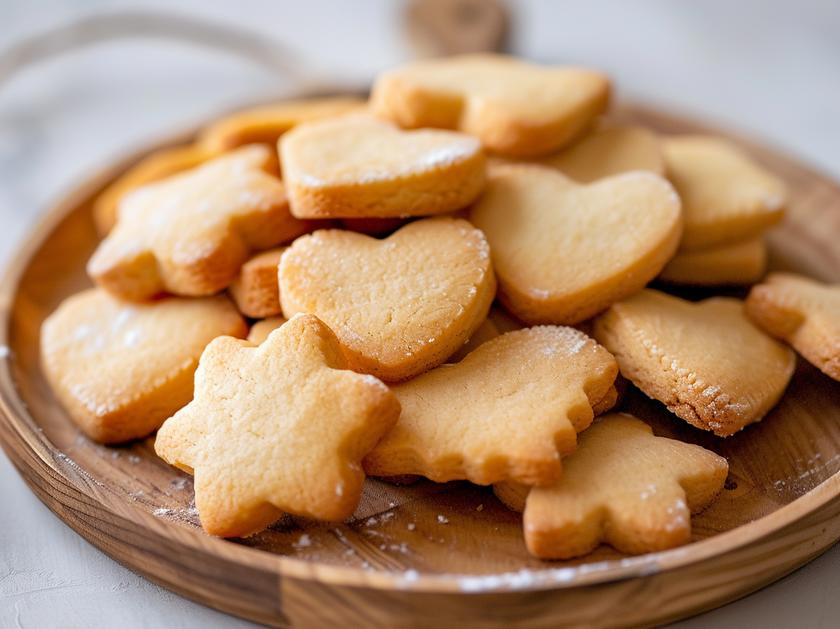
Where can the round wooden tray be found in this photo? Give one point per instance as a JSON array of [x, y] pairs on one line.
[[448, 555]]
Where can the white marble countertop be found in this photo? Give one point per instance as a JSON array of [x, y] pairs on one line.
[[770, 68]]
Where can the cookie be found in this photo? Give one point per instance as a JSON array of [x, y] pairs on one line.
[[738, 263], [802, 312], [264, 125], [608, 151], [261, 329], [158, 165], [255, 289], [508, 411], [705, 361], [727, 198], [120, 369], [623, 486], [190, 234], [563, 251], [486, 331], [276, 428], [357, 166], [515, 108], [401, 305]]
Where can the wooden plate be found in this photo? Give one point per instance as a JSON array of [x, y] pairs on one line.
[[448, 555]]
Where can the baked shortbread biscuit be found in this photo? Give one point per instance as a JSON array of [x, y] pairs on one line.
[[508, 411], [563, 251], [261, 329], [358, 166], [738, 263], [190, 234], [158, 165], [255, 289], [265, 124], [120, 369], [802, 312], [623, 486], [608, 151], [278, 427], [705, 361], [399, 306], [726, 197], [515, 108]]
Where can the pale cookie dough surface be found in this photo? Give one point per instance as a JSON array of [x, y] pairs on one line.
[[279, 427], [399, 306], [607, 151], [261, 329], [515, 108], [190, 234], [358, 166], [726, 196], [120, 369], [623, 486], [508, 411], [738, 263], [802, 312], [564, 251], [705, 361], [255, 289]]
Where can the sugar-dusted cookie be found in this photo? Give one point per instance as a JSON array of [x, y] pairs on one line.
[[607, 151], [401, 305], [622, 486], [738, 263], [278, 427], [515, 108], [255, 289], [265, 124], [261, 329], [726, 197], [705, 361], [486, 331], [563, 251], [154, 167], [802, 312], [509, 411], [120, 369], [190, 234], [357, 166]]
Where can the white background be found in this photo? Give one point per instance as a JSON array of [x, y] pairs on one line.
[[769, 68]]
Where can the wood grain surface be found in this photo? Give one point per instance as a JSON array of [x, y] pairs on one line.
[[427, 554]]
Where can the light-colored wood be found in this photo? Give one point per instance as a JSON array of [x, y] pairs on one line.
[[425, 554]]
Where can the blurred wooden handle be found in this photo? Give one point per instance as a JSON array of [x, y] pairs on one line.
[[448, 27]]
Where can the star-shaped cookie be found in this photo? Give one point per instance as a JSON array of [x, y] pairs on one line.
[[279, 427], [189, 234], [625, 487]]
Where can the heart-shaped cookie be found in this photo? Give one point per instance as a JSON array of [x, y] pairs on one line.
[[705, 361], [399, 306], [357, 166], [516, 109], [564, 251]]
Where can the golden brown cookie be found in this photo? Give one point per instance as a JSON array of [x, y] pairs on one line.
[[563, 251], [726, 197], [608, 151], [278, 427], [622, 486], [261, 329], [508, 411], [190, 234], [255, 289], [515, 108], [738, 263], [802, 312], [120, 369], [357, 166], [265, 124], [401, 305], [705, 361]]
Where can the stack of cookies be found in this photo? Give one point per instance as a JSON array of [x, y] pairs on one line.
[[445, 282]]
